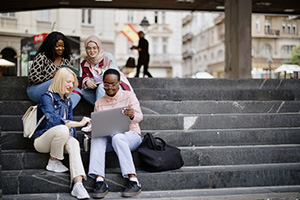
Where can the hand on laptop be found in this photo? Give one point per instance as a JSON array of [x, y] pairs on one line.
[[87, 128], [129, 112]]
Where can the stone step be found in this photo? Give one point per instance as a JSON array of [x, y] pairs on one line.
[[246, 193], [30, 159], [218, 107], [214, 137], [215, 84], [206, 94], [192, 122], [220, 84], [42, 181], [175, 107], [14, 88], [192, 156], [187, 94]]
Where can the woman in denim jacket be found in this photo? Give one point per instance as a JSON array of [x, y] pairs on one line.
[[55, 134]]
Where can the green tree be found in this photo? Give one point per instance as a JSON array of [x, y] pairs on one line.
[[295, 56]]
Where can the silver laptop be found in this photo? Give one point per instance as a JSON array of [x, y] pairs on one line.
[[108, 122]]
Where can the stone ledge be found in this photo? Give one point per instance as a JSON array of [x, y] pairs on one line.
[[41, 181], [247, 193]]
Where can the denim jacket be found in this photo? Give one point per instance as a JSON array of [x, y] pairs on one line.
[[54, 110]]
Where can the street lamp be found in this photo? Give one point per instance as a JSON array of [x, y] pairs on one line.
[[144, 23]]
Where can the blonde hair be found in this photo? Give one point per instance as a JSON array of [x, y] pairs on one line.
[[59, 80]]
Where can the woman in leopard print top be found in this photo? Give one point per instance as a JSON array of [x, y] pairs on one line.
[[52, 55]]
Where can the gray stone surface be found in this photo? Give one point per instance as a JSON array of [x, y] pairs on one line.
[[218, 107], [41, 181], [231, 132], [14, 88], [213, 137], [192, 156], [157, 107], [282, 193], [231, 137]]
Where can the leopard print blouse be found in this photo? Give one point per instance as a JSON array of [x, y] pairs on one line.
[[42, 69]]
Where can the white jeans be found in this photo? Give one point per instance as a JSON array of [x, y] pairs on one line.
[[122, 144], [57, 140]]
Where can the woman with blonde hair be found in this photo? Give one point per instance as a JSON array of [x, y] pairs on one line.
[[56, 133]]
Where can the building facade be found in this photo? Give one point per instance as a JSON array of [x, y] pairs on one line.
[[273, 38], [163, 34], [72, 22]]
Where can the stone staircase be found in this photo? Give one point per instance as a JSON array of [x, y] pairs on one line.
[[239, 138]]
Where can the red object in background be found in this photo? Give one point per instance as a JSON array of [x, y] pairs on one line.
[[40, 37]]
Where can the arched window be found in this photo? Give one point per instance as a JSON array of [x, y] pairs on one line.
[[267, 50]]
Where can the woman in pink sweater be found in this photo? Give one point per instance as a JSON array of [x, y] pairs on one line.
[[121, 143]]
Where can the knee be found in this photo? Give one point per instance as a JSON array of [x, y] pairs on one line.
[[63, 132], [117, 139], [73, 145]]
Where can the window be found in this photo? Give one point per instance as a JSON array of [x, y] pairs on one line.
[[287, 49], [295, 28], [9, 14], [163, 17], [155, 45], [267, 50], [43, 15], [165, 45], [130, 16], [267, 26], [289, 29], [220, 54], [283, 27], [257, 24], [155, 17], [87, 16]]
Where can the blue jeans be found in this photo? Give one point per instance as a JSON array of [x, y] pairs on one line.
[[35, 92], [92, 95], [122, 144]]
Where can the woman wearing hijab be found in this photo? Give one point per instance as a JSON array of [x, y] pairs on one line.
[[93, 67]]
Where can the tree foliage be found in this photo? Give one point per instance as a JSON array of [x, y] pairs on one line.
[[295, 56]]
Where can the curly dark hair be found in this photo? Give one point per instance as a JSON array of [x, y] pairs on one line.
[[49, 43], [112, 71]]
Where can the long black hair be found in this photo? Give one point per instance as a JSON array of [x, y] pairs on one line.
[[49, 43]]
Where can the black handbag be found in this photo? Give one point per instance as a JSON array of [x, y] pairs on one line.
[[130, 62], [157, 156]]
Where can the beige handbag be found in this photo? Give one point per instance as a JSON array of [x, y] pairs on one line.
[[29, 121]]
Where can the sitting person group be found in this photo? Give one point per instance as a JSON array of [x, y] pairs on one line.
[[52, 85]]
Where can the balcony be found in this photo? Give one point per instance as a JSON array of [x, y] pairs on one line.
[[187, 37], [187, 19], [272, 32], [188, 53]]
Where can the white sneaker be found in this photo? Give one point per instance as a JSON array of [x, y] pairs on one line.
[[56, 166], [87, 128], [79, 191]]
